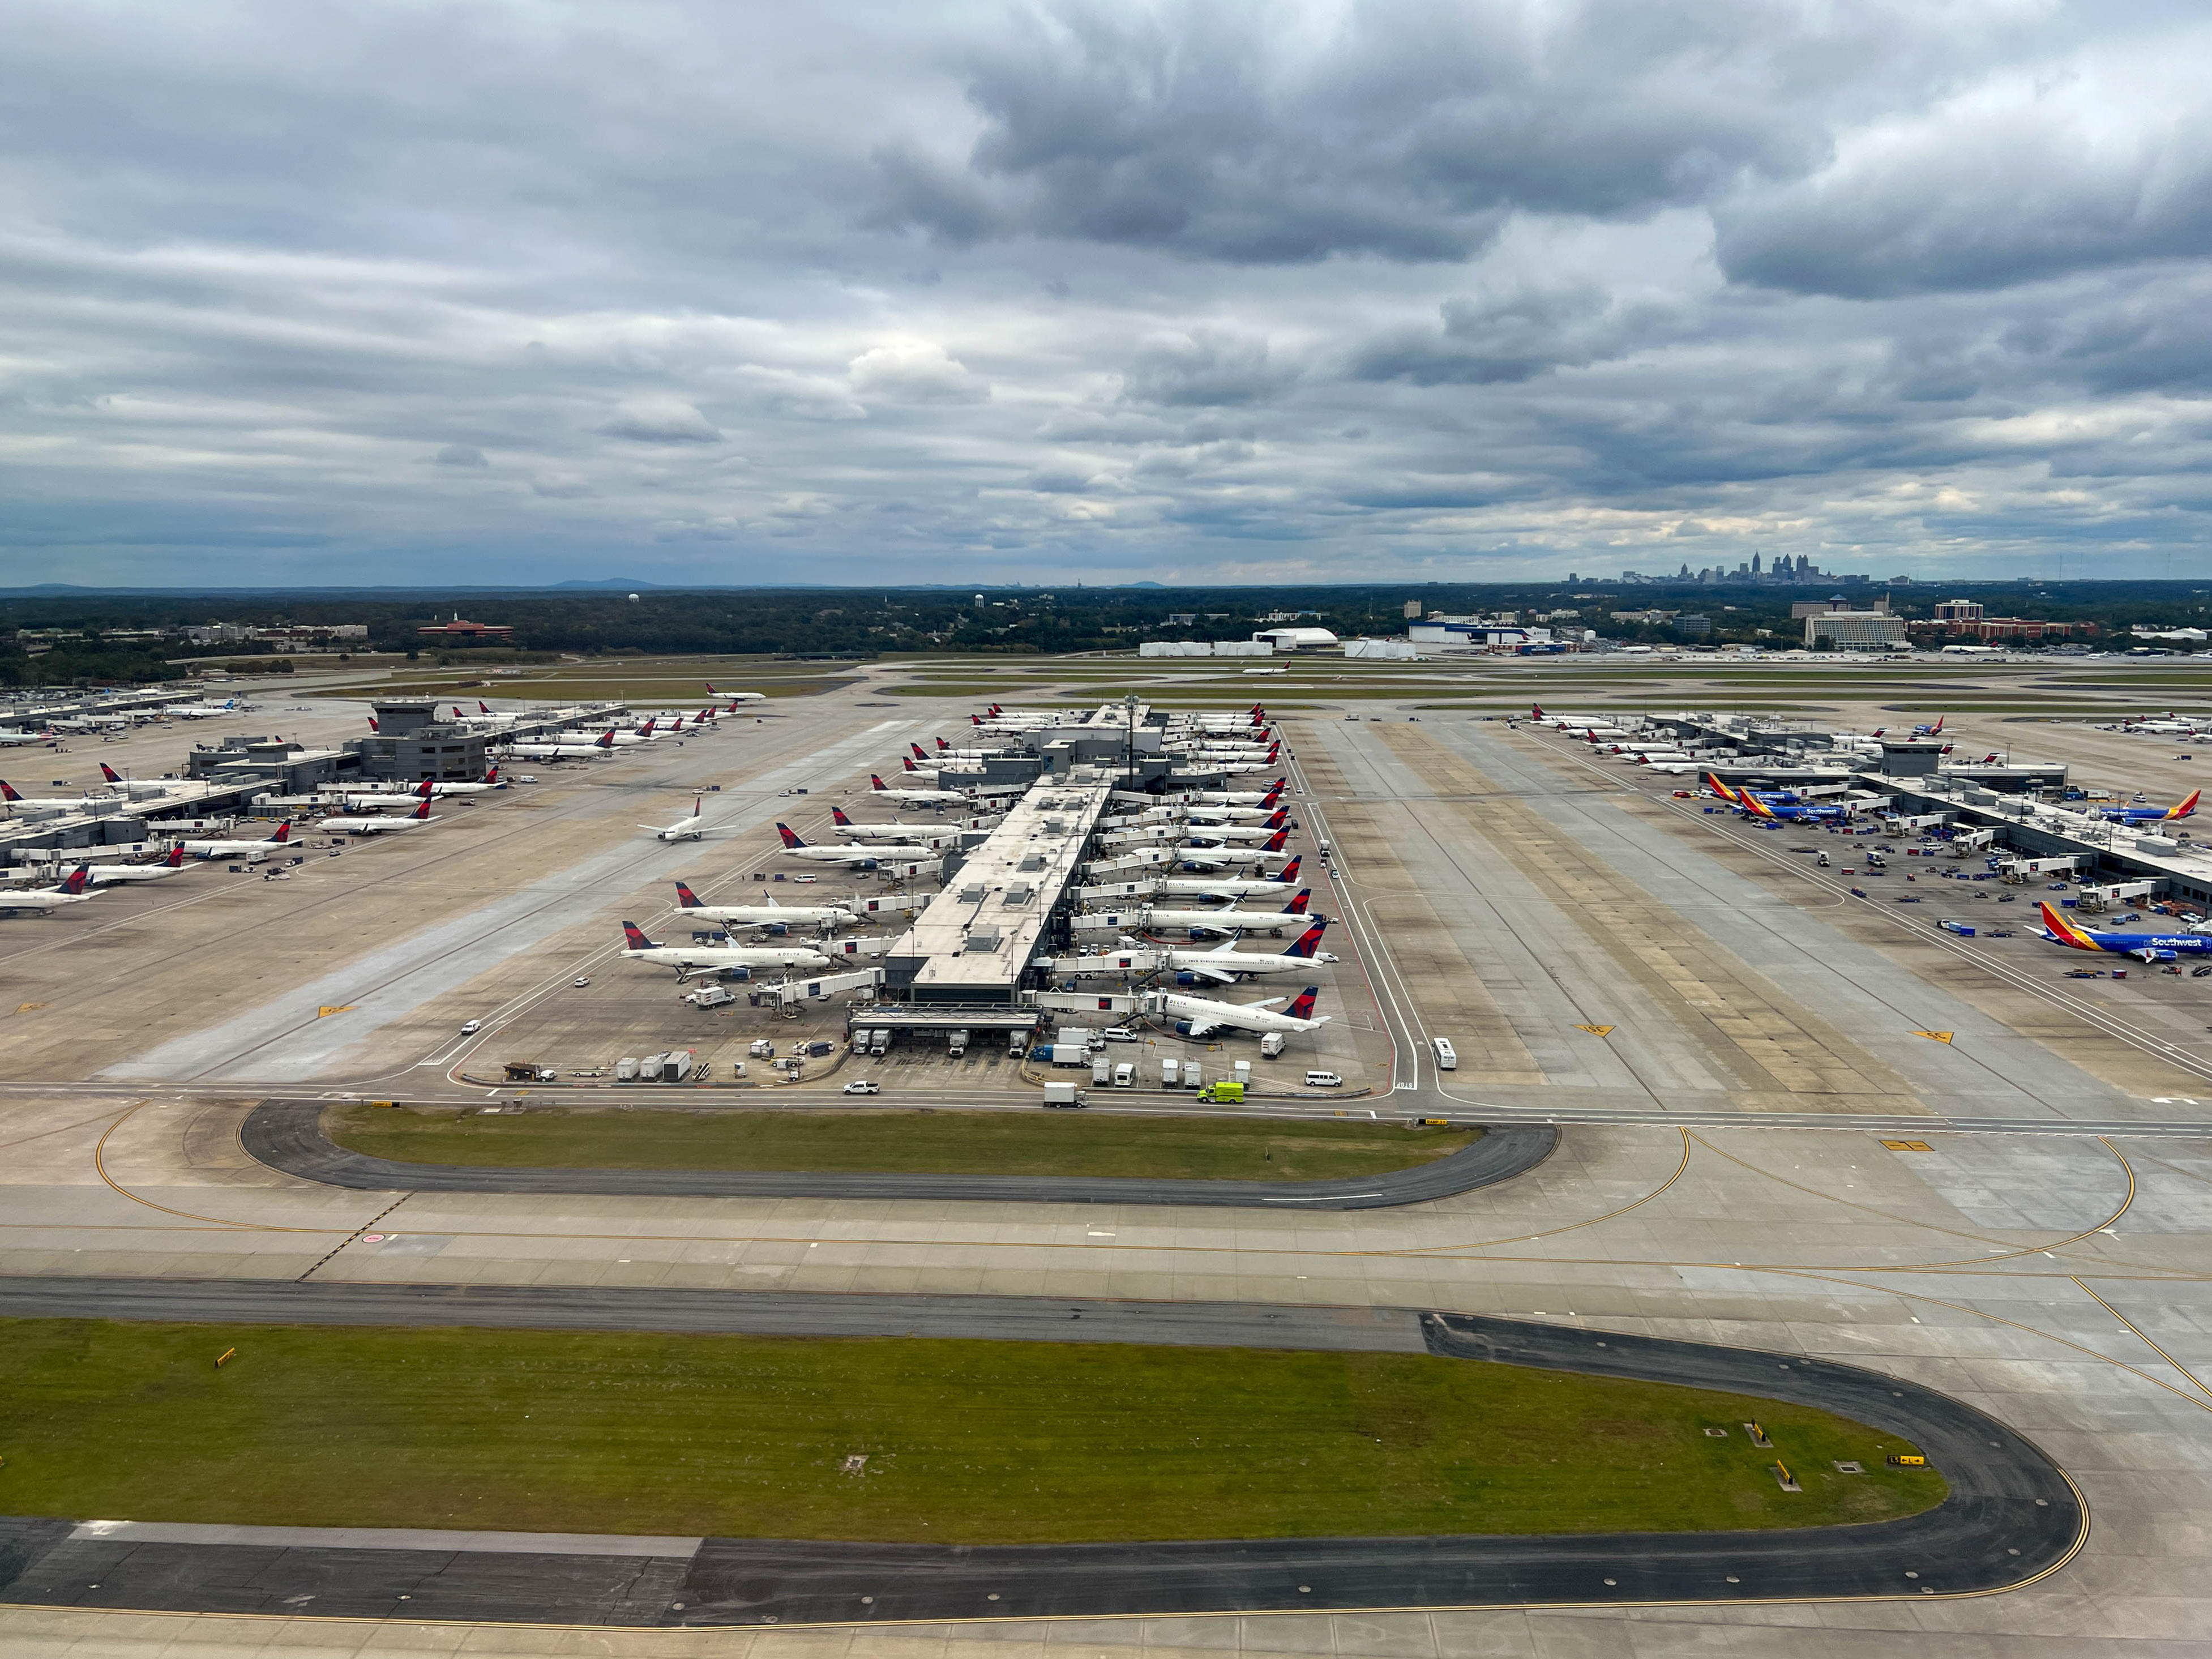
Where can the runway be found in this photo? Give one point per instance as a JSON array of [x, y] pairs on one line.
[[287, 1135], [2012, 1515]]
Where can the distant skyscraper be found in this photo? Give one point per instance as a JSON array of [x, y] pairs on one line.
[[1754, 564]]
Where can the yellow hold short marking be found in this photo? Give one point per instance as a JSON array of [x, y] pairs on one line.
[[324, 1013], [1595, 1030], [29, 1007], [1935, 1037]]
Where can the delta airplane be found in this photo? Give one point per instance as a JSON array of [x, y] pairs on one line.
[[46, 804], [1225, 965], [1194, 857], [767, 914], [378, 826], [690, 828], [2150, 947], [107, 874], [737, 697], [936, 840], [1231, 888], [1197, 1016], [230, 850], [135, 791], [917, 797], [689, 959], [2147, 814], [794, 847], [598, 749], [1236, 797], [51, 898], [1225, 924], [1215, 835]]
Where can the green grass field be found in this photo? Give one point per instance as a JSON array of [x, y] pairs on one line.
[[1038, 1143], [966, 1443]]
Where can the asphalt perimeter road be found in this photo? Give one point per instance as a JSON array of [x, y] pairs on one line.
[[2012, 1515], [287, 1135]]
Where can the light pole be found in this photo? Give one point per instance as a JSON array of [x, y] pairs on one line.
[[1129, 747]]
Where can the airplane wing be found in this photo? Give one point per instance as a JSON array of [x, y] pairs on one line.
[[1199, 1028], [1216, 974]]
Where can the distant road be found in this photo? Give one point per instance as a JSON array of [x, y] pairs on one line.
[[287, 1135]]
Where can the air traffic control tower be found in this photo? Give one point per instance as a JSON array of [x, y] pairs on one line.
[[970, 948]]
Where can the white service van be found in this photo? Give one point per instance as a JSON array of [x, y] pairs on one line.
[[1125, 1076], [1447, 1059], [1323, 1080]]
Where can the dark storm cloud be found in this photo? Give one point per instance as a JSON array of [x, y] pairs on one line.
[[1572, 284]]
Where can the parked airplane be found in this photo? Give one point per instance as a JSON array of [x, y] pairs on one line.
[[894, 833], [1211, 924], [1231, 888], [768, 913], [1197, 1016], [737, 697], [2147, 814], [46, 899], [377, 826], [1236, 797], [230, 850], [203, 711], [794, 847], [917, 797], [1225, 965], [48, 803], [1194, 857], [1208, 835], [598, 749], [134, 790], [109, 874], [689, 959], [2151, 947]]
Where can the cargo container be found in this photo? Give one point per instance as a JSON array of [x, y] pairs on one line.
[[761, 1049], [1169, 1069], [626, 1070], [1101, 1068], [675, 1065], [1271, 1044], [1242, 1072]]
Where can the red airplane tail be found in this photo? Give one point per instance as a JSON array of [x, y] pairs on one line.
[[428, 789], [1308, 942], [1276, 842], [920, 753], [373, 725], [875, 782], [491, 773], [176, 858], [789, 839], [635, 935], [837, 817], [606, 739], [686, 898], [283, 833], [904, 762], [1296, 907], [1289, 872], [421, 813], [1302, 1005], [78, 878], [1281, 817], [109, 773], [7, 791], [1535, 711], [482, 708], [941, 743]]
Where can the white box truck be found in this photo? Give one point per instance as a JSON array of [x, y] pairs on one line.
[[626, 1069], [1018, 1044], [1062, 1094], [956, 1044], [879, 1041], [1242, 1072], [1101, 1068], [1271, 1044], [1169, 1070]]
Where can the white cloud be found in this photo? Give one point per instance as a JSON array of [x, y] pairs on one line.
[[915, 373]]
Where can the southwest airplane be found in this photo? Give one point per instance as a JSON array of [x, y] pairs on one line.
[[2151, 947], [2147, 814], [1775, 810], [1196, 1016], [689, 959], [690, 828], [765, 915]]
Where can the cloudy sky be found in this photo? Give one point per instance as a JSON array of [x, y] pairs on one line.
[[1223, 291]]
